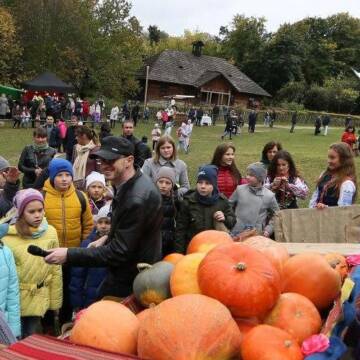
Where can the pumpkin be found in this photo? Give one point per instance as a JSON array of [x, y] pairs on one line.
[[207, 240], [276, 252], [309, 274], [152, 284], [246, 324], [184, 279], [295, 314], [107, 325], [173, 258], [265, 342], [240, 277], [338, 262], [191, 327]]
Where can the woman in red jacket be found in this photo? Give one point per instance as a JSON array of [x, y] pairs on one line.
[[349, 137], [229, 176]]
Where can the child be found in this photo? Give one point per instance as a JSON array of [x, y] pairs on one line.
[[155, 135], [165, 180], [68, 210], [9, 287], [182, 135], [85, 282], [96, 188], [40, 283], [202, 209], [254, 204]]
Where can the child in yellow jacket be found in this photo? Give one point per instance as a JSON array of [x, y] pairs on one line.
[[40, 284]]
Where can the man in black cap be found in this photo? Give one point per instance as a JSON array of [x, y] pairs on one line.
[[135, 222]]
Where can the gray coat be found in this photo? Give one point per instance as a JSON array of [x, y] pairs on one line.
[[3, 105], [254, 208], [151, 168]]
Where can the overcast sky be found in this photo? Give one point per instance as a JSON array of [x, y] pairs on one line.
[[173, 16]]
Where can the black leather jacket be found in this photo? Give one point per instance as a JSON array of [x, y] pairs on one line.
[[30, 159], [134, 236]]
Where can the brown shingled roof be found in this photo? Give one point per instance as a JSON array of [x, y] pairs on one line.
[[184, 68]]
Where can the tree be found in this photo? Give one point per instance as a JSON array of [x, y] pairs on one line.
[[154, 34], [10, 50]]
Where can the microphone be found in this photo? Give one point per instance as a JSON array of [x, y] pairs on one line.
[[37, 251]]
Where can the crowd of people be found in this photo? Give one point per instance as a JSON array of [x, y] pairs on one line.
[[113, 203]]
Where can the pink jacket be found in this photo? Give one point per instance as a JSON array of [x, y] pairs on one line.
[[63, 128]]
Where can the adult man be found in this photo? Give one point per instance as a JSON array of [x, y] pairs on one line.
[[135, 222], [215, 114], [252, 121], [135, 113], [53, 133], [70, 139], [142, 151], [293, 121]]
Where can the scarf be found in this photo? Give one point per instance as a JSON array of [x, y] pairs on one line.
[[208, 200], [39, 231], [81, 157], [41, 147]]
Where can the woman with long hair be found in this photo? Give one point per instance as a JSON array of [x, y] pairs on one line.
[[83, 165], [337, 184], [165, 155], [229, 176], [349, 137], [285, 182], [269, 151]]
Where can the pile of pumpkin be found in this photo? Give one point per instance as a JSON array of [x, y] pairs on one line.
[[223, 300]]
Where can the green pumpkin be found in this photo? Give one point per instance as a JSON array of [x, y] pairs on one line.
[[152, 284]]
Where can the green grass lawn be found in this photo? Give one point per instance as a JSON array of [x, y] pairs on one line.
[[308, 151]]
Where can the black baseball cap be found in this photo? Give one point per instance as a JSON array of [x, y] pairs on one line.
[[113, 147]]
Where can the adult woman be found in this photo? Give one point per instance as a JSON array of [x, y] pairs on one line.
[[269, 151], [283, 179], [337, 184], [82, 164], [229, 176], [349, 137], [165, 155], [35, 158]]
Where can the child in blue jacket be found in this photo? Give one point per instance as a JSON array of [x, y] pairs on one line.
[[85, 282], [9, 286]]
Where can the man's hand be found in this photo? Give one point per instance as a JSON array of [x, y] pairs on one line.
[[38, 171], [99, 242], [12, 175], [219, 216], [58, 256]]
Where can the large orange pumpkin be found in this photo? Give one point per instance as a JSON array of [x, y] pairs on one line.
[[309, 274], [207, 240], [266, 342], [173, 258], [276, 252], [107, 325], [338, 262], [191, 327], [295, 314], [184, 278], [240, 277]]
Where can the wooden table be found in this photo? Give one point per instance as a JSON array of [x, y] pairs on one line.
[[323, 248]]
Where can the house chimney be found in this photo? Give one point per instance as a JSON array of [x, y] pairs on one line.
[[197, 48]]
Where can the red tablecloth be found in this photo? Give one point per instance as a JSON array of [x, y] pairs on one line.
[[47, 348]]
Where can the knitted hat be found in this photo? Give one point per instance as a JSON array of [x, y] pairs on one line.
[[95, 177], [167, 173], [258, 170], [4, 164], [23, 197], [59, 165], [104, 212], [209, 173]]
